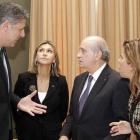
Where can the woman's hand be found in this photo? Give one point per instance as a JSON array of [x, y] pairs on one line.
[[122, 127]]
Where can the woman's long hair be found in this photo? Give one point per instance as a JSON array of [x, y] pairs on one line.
[[132, 53], [55, 70]]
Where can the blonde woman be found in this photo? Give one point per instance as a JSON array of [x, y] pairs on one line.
[[129, 66], [44, 76]]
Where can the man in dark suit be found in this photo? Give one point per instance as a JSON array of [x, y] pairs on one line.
[[99, 96], [12, 23]]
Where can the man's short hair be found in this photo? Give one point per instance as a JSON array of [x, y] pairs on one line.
[[103, 47], [97, 43], [12, 12]]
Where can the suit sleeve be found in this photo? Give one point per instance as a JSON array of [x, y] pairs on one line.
[[18, 91], [17, 95], [67, 128], [64, 96], [120, 104], [14, 99]]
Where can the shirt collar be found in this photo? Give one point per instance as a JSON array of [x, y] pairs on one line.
[[98, 72]]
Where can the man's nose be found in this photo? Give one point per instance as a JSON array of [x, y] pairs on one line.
[[118, 59], [78, 55], [22, 34]]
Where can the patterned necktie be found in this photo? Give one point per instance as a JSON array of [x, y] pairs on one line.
[[85, 95], [1, 55]]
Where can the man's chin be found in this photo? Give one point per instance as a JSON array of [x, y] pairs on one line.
[[81, 66]]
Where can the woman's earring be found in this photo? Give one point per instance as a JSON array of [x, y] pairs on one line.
[[36, 63], [53, 65]]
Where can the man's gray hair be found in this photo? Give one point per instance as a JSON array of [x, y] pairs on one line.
[[12, 12], [96, 44]]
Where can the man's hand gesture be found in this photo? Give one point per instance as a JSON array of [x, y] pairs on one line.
[[27, 105]]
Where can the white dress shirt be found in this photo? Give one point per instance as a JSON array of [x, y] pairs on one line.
[[95, 77]]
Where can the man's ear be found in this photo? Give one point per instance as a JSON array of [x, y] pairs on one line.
[[98, 55], [6, 25]]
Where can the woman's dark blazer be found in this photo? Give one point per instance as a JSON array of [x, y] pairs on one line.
[[56, 101]]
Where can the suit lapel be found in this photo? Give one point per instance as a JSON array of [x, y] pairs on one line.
[[97, 87], [52, 86], [2, 72], [81, 85], [8, 67], [33, 81]]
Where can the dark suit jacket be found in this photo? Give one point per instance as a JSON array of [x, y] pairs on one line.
[[5, 98], [107, 102], [56, 102]]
